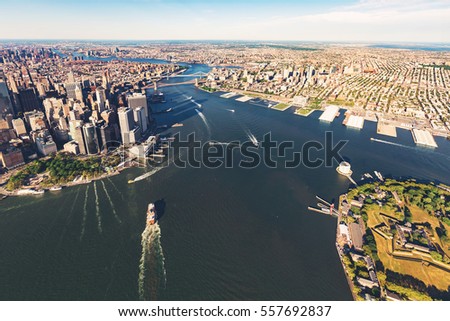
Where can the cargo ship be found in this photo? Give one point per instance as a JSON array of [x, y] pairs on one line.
[[151, 214]]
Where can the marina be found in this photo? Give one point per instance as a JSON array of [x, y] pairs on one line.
[[324, 207]]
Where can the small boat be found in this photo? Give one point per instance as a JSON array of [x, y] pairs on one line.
[[151, 214], [379, 176], [254, 140], [130, 181], [177, 125], [55, 188]]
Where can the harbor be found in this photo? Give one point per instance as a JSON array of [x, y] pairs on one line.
[[199, 224]]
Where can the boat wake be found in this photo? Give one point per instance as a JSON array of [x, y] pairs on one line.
[[97, 210], [408, 147], [75, 200], [204, 121], [146, 175], [252, 137], [115, 187], [152, 273], [111, 203], [83, 223], [390, 143]]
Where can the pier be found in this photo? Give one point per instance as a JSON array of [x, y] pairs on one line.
[[324, 208], [423, 138], [329, 114]]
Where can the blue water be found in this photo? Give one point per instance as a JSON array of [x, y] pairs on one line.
[[225, 234]]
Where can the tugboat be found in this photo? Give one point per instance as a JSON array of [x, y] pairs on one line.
[[151, 214]]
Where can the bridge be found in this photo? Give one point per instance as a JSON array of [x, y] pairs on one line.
[[197, 74]]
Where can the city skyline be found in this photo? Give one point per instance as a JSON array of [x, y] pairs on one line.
[[340, 21]]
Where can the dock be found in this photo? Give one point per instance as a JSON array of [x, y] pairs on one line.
[[329, 114], [386, 130], [354, 121], [244, 99], [423, 138], [228, 95], [325, 208]]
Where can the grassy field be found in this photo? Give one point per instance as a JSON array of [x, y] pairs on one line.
[[303, 111], [281, 106], [420, 215], [430, 275]]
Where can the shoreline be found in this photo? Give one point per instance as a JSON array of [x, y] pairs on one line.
[[14, 193]]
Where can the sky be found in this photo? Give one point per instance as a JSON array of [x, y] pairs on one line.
[[365, 21]]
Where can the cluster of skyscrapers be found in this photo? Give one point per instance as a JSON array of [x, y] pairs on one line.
[[81, 115]]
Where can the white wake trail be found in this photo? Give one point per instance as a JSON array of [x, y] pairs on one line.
[[97, 210], [115, 187], [152, 272], [83, 223], [205, 121], [75, 199], [111, 203]]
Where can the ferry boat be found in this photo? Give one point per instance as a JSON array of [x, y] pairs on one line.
[[151, 214]]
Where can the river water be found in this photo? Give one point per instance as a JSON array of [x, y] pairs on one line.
[[224, 234]]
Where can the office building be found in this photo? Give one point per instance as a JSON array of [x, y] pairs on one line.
[[6, 106], [100, 95], [45, 144], [79, 138], [19, 126], [140, 118], [126, 123], [138, 100], [72, 147], [11, 158], [90, 138]]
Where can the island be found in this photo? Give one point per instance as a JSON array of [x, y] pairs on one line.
[[393, 240]]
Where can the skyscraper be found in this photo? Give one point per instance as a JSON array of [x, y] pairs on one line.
[[90, 138], [28, 100], [6, 106], [138, 100], [100, 95], [140, 119], [74, 91], [79, 138], [126, 123]]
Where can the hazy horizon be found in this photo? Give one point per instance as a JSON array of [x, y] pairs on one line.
[[362, 21]]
